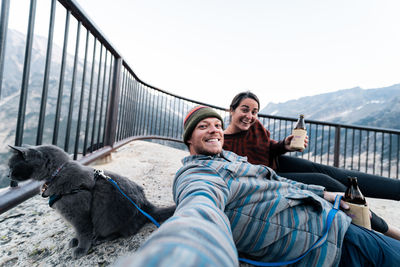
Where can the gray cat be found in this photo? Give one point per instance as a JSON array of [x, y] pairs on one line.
[[89, 202]]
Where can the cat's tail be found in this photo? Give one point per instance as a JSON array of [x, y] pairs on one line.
[[161, 214]]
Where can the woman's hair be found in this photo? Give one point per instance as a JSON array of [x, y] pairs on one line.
[[243, 95]]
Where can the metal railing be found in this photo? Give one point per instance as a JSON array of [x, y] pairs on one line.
[[95, 103], [366, 149]]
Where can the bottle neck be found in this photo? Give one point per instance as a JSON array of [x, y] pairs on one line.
[[353, 193]]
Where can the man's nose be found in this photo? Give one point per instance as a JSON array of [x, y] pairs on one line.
[[213, 128]]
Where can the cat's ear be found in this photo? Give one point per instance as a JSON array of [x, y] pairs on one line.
[[23, 151]]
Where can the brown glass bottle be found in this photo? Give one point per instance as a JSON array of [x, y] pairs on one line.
[[299, 134], [300, 124], [353, 193]]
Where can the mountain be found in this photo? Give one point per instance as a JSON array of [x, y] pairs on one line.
[[379, 107]]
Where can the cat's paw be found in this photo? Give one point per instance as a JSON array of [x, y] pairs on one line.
[[79, 252], [73, 243], [97, 241]]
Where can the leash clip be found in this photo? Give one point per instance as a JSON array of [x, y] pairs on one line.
[[44, 188], [100, 173]]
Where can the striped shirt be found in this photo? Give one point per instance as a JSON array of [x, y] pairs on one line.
[[226, 205]]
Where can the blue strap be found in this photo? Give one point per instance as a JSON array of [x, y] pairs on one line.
[[100, 173], [142, 211], [53, 199], [318, 243]]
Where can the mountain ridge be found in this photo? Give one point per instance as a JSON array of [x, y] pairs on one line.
[[377, 107]]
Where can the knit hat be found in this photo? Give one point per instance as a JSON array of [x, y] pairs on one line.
[[194, 116]]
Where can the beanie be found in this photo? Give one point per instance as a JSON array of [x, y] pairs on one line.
[[194, 116]]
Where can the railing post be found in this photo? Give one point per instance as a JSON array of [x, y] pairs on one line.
[[25, 75], [61, 81], [336, 150], [5, 7], [112, 105], [46, 78], [25, 80]]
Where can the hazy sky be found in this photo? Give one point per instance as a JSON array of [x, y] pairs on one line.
[[209, 50]]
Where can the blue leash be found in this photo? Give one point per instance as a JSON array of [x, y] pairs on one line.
[[100, 173], [318, 243]]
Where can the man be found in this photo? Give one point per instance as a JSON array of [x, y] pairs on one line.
[[227, 206]]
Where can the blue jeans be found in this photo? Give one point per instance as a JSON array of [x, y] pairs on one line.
[[362, 247]]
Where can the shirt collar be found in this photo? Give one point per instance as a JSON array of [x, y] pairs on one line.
[[224, 155]]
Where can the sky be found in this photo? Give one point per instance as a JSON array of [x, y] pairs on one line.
[[210, 50]]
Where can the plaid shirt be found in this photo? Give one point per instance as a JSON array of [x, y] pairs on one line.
[[256, 145], [226, 205]]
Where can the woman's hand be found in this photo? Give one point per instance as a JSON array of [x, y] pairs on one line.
[[330, 196], [289, 139]]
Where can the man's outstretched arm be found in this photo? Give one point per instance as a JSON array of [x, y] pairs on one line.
[[198, 234]]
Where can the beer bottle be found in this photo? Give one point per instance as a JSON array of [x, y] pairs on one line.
[[353, 193], [300, 124], [358, 208], [299, 134]]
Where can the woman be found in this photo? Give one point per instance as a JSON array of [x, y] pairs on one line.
[[246, 136]]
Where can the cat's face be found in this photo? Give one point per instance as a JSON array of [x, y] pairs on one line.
[[23, 163], [36, 162]]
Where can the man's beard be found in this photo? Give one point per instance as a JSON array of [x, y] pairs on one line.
[[208, 153]]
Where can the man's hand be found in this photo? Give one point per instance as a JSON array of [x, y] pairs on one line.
[[289, 139], [330, 196]]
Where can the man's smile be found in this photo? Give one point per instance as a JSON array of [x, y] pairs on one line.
[[211, 140]]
